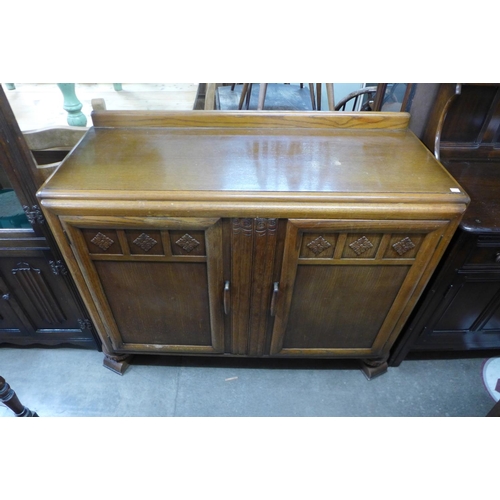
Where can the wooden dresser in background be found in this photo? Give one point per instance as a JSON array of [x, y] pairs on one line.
[[39, 303], [251, 234], [460, 310]]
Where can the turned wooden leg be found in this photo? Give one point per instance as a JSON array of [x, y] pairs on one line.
[[117, 363], [374, 367], [72, 105], [10, 400]]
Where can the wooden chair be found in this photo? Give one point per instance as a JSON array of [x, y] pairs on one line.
[[50, 146], [315, 97], [375, 97]]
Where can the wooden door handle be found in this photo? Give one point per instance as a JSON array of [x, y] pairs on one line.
[[274, 298], [227, 298]]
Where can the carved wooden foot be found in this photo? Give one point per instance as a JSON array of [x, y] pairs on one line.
[[374, 367], [10, 400], [117, 363]]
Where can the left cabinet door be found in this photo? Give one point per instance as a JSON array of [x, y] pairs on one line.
[[156, 283]]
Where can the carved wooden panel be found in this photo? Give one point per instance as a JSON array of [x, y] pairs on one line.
[[144, 242], [40, 295], [187, 243], [348, 304], [253, 247], [318, 245], [12, 316], [102, 241], [404, 246], [157, 295], [363, 245]]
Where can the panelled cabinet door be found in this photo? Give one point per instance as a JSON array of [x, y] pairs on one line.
[[345, 284], [468, 314], [36, 305], [157, 283]]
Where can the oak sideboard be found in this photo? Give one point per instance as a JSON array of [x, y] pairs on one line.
[[251, 234]]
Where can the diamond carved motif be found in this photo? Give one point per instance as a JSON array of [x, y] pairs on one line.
[[145, 242], [362, 245], [403, 246], [102, 241], [187, 243], [318, 245]]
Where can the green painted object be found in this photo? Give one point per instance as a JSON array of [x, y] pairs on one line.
[[72, 105]]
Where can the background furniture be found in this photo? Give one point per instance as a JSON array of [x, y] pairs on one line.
[[50, 146], [210, 89], [460, 310], [256, 234], [39, 303]]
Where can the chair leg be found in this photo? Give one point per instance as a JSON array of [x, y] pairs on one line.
[[318, 96], [262, 96], [244, 90], [10, 400], [249, 95], [313, 97], [331, 98]]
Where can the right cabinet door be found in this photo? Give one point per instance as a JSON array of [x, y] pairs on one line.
[[345, 285]]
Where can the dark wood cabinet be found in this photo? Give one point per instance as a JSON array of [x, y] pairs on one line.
[[39, 303], [460, 310], [251, 234]]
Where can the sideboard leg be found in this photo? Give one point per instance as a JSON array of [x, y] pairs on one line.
[[374, 367], [117, 363], [9, 398]]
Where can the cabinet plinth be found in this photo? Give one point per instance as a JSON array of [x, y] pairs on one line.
[[285, 235]]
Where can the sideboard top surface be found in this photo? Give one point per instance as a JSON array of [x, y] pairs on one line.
[[271, 160]]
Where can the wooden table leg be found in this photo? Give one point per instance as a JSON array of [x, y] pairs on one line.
[[9, 398]]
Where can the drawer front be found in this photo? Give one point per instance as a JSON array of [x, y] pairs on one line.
[[486, 253]]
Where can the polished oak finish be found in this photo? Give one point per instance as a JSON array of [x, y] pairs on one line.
[[251, 234]]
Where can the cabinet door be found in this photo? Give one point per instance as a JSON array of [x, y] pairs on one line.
[[346, 287], [467, 316], [36, 301], [156, 283]]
